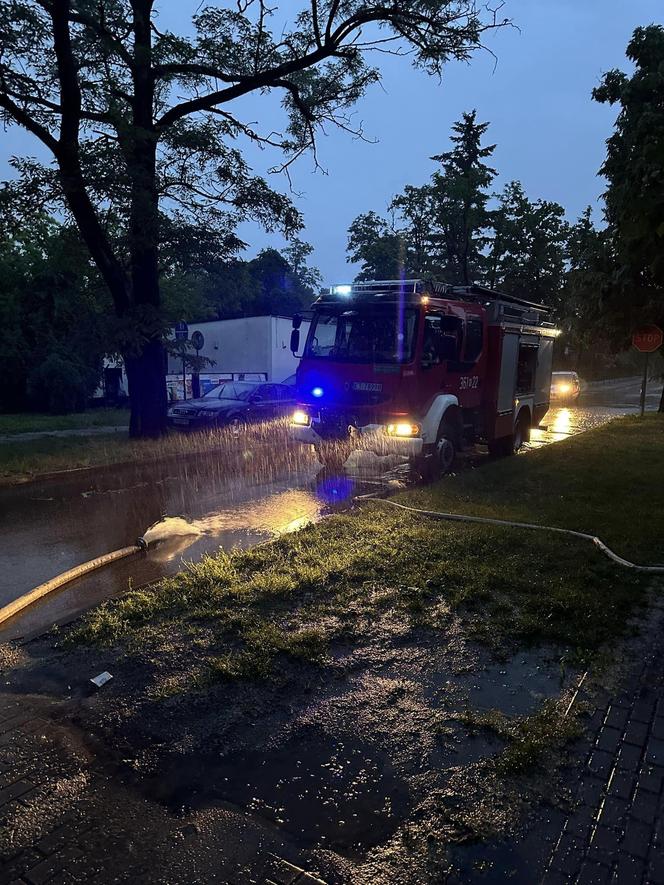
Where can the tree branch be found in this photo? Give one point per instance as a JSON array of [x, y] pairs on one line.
[[24, 119]]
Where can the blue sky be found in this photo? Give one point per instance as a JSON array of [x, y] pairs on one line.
[[550, 134]]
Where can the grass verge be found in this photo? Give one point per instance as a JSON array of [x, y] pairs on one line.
[[508, 587], [35, 422]]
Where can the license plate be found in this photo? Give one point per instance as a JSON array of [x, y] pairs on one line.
[[180, 420]]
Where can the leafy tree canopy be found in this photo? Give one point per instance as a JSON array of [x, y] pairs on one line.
[[634, 199]]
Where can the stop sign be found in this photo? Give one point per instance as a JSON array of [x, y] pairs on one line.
[[648, 339]]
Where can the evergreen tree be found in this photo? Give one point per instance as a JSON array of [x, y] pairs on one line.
[[460, 194]]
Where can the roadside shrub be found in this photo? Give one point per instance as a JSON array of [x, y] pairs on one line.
[[59, 385]]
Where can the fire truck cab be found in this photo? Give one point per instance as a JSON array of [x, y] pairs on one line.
[[421, 368]]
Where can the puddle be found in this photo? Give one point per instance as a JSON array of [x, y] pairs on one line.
[[333, 791], [492, 864], [517, 687]]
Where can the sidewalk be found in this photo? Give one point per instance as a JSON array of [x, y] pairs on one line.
[[615, 831], [75, 431]]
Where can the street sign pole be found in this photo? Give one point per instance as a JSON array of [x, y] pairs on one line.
[[644, 385], [646, 339], [182, 334]]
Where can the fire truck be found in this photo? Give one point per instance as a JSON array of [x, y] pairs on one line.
[[421, 368]]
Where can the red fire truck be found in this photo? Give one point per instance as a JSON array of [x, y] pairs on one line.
[[421, 368]]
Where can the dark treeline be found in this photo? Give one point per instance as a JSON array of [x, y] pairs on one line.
[[56, 321]]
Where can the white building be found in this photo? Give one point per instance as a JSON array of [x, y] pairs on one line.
[[245, 349]]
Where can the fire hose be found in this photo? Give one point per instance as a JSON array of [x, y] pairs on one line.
[[486, 520], [17, 605]]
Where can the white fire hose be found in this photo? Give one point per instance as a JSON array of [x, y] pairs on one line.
[[486, 520]]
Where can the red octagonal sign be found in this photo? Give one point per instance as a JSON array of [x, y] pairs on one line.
[[648, 339]]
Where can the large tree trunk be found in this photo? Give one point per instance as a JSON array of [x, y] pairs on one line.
[[147, 390], [146, 370]]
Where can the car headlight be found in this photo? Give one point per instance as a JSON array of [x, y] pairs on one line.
[[403, 428], [301, 418]]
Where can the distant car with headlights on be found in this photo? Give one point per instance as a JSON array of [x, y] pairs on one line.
[[565, 387], [233, 404]]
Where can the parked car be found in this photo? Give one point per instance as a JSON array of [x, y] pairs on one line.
[[565, 387], [233, 403]]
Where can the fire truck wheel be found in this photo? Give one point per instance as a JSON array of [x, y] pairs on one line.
[[441, 460], [520, 434], [509, 445], [333, 455]]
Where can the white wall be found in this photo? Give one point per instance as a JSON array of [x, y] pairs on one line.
[[246, 345], [283, 361]]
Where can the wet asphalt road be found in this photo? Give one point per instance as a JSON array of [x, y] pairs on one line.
[[234, 500]]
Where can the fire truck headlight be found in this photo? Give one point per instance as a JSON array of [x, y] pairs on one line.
[[317, 392], [564, 388], [342, 290], [403, 429], [301, 418]]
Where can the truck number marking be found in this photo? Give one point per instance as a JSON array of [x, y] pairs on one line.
[[469, 383], [367, 386]]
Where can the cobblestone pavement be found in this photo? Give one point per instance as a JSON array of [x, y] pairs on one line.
[[616, 833]]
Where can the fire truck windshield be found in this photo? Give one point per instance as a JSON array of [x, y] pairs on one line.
[[385, 335]]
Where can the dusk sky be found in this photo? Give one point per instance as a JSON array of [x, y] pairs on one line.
[[537, 96]]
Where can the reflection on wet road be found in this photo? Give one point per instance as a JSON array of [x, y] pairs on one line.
[[226, 499], [564, 421]]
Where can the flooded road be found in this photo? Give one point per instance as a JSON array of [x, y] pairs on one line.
[[225, 499]]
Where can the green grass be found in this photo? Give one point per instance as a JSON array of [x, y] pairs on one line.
[[608, 482], [509, 588], [52, 454], [37, 422]]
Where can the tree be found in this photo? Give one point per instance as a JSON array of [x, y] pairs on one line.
[[529, 248], [271, 283], [140, 125], [297, 254], [415, 210], [53, 331], [634, 203], [584, 329], [460, 195], [439, 229], [377, 248]]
